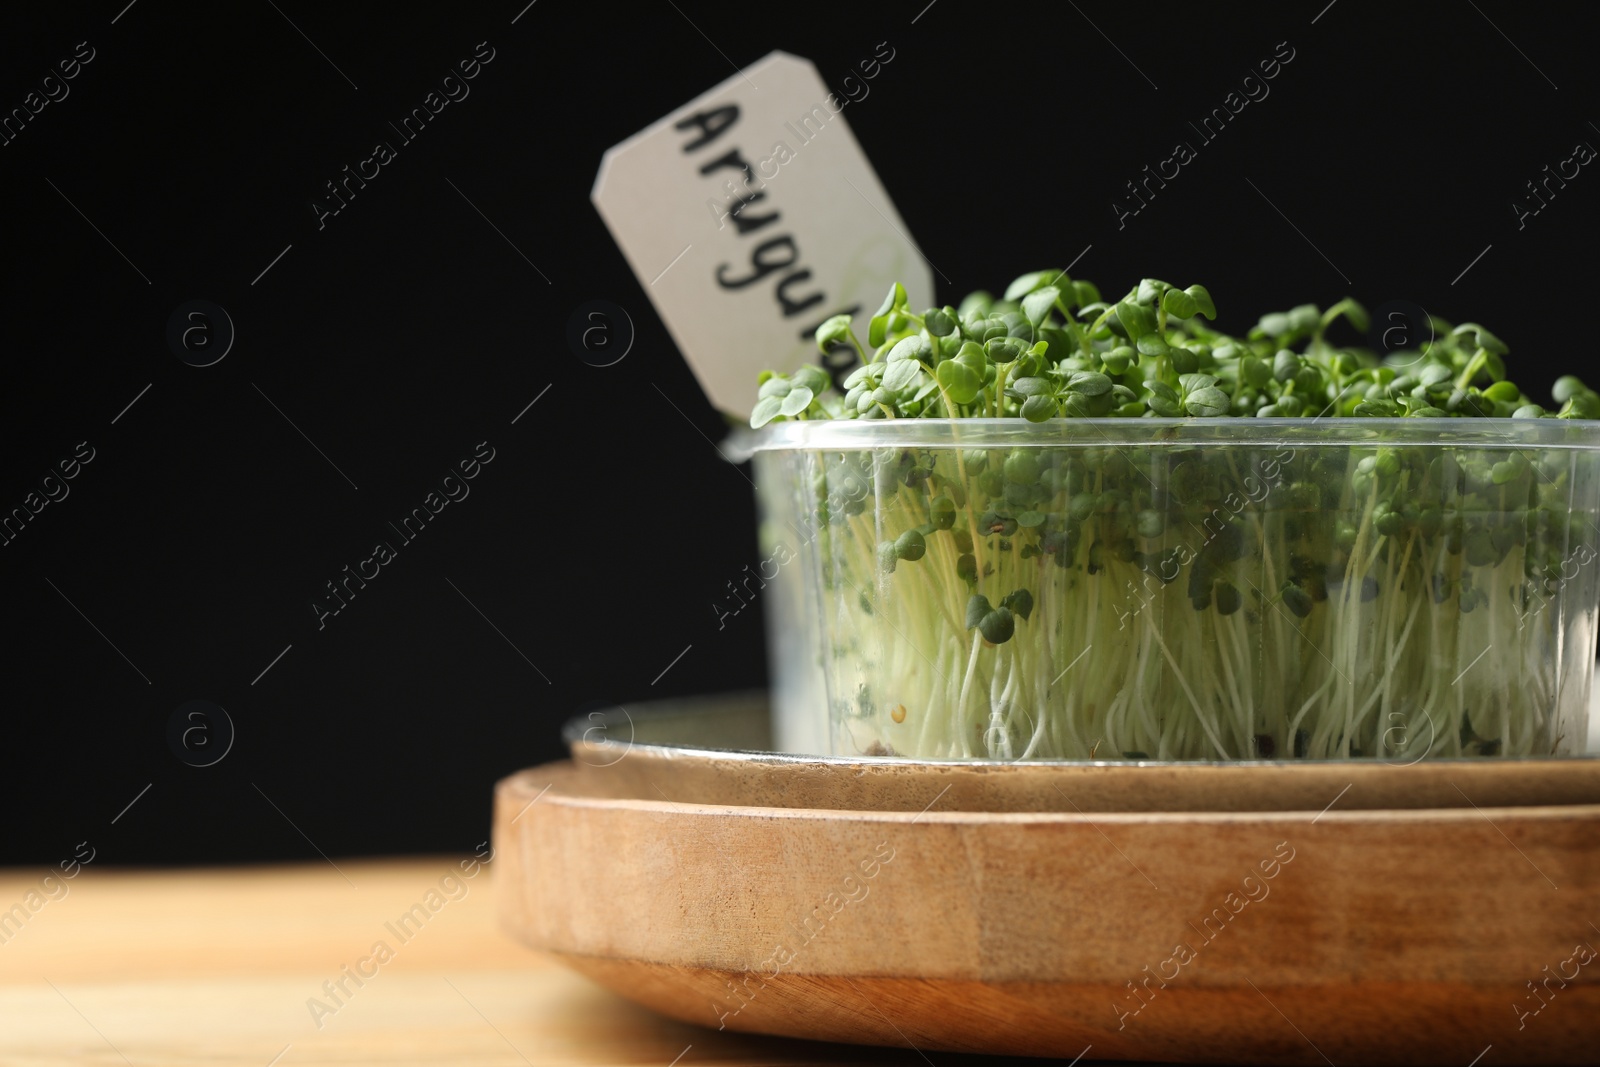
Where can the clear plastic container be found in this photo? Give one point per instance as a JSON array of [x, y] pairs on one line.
[[1181, 589]]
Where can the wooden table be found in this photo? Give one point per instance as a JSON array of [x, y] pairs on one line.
[[216, 966]]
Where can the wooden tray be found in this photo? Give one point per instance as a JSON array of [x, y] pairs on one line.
[[1343, 936]]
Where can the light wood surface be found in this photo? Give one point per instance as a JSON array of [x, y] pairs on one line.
[[1343, 936], [215, 966]]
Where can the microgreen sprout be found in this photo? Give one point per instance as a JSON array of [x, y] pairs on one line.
[[1236, 600]]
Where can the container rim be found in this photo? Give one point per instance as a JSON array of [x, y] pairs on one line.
[[602, 736], [858, 434]]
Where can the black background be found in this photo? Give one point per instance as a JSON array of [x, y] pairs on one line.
[[407, 330]]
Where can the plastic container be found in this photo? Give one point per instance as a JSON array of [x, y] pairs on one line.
[[1181, 589]]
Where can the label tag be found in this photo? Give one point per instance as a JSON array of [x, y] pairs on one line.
[[750, 215]]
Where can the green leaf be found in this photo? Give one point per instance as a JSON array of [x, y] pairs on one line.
[[1304, 318], [1118, 360], [813, 378], [1151, 345], [798, 400], [1436, 374], [1076, 406], [1037, 304], [910, 546], [1179, 304], [766, 410], [774, 387], [1017, 325], [1027, 387], [998, 626], [900, 375], [1504, 471], [1084, 294], [1031, 281], [1022, 467], [1207, 403], [915, 347], [977, 608], [1039, 408], [1149, 290], [1202, 301], [1029, 519], [867, 374], [1296, 599], [833, 331], [1566, 387], [941, 322], [976, 303], [1136, 320], [1019, 601], [958, 380], [1089, 383], [1503, 391], [1256, 373], [1163, 401], [878, 330], [1585, 405], [1285, 365], [972, 355], [1002, 350], [1351, 310], [1484, 338], [1274, 324]]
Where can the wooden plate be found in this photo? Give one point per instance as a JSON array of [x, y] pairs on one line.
[[713, 751], [1342, 936]]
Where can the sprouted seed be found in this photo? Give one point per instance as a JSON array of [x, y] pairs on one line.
[[1232, 602]]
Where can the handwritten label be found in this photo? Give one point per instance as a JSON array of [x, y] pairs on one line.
[[750, 215]]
